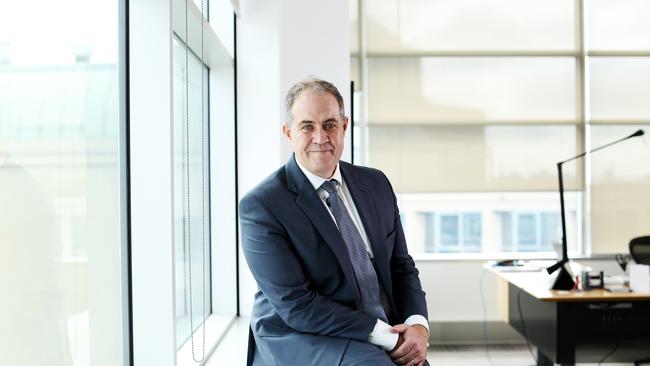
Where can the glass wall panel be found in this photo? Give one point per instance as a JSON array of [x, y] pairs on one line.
[[620, 190], [353, 14], [464, 97], [473, 158], [191, 193], [620, 25], [60, 222], [620, 88], [478, 89], [411, 26]]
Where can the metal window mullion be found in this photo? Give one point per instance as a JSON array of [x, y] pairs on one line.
[[623, 53], [515, 231], [538, 229], [520, 122], [583, 247], [461, 231], [364, 138], [468, 54]]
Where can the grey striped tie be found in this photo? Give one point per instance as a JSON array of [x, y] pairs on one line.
[[363, 269]]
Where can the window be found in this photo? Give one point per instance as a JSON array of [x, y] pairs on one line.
[[191, 192], [452, 232], [62, 216], [204, 177], [527, 229], [449, 230], [468, 106], [472, 230]]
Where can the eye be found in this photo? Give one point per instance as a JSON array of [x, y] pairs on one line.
[[328, 126], [307, 128]]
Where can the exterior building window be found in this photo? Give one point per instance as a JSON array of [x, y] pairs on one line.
[[452, 232]]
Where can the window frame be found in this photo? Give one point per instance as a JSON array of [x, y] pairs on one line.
[[582, 122], [218, 58]]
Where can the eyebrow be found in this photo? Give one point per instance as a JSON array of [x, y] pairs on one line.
[[308, 122]]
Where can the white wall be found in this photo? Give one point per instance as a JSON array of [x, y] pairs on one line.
[[279, 43]]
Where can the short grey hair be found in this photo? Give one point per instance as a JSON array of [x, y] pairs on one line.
[[314, 84]]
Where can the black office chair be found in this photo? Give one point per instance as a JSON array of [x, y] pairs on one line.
[[640, 249], [640, 252], [250, 357]]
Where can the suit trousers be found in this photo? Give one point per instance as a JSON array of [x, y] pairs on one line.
[[366, 354]]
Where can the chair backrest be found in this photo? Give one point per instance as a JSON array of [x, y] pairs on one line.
[[250, 357], [640, 249]]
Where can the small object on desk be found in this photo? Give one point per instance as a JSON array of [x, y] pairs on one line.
[[639, 277], [515, 265], [617, 288], [592, 281], [615, 280], [623, 260], [509, 263]]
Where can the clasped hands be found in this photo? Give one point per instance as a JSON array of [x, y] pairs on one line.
[[412, 344]]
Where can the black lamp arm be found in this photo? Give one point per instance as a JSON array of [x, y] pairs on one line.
[[565, 256]]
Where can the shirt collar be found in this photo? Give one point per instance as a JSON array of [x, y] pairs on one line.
[[317, 181]]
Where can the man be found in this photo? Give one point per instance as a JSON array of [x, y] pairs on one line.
[[324, 242]]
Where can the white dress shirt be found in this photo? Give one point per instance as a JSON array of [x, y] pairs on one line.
[[382, 334]]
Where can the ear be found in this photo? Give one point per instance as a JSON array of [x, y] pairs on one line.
[[345, 124], [286, 131]]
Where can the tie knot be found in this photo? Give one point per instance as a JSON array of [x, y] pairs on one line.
[[329, 186]]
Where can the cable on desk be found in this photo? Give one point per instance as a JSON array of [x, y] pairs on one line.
[[523, 326], [485, 334], [608, 353]]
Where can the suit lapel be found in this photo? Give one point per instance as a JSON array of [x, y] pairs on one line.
[[310, 203], [367, 211]]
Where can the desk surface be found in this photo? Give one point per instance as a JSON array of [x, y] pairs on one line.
[[537, 283]]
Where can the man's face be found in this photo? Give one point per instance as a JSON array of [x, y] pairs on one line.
[[316, 132]]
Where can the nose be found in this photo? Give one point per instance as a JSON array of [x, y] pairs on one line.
[[320, 136]]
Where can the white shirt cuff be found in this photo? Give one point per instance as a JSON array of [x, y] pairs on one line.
[[382, 335], [417, 319]]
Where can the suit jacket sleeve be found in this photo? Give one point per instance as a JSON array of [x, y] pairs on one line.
[[281, 278]]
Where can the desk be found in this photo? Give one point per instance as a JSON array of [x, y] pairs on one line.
[[569, 327]]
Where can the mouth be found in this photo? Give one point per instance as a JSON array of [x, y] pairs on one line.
[[320, 151]]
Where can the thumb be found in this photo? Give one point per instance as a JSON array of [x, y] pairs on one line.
[[400, 328]]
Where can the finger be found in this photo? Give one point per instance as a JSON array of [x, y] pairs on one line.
[[403, 349], [400, 328], [414, 354], [412, 362], [399, 352], [408, 357]]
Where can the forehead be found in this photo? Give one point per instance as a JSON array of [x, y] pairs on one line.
[[314, 104]]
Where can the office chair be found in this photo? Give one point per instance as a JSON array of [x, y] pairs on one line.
[[640, 252], [640, 249], [251, 348]]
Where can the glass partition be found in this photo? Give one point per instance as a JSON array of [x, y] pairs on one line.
[[60, 204]]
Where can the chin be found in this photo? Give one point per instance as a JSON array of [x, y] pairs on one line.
[[323, 170]]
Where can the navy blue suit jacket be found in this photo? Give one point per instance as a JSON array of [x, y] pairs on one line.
[[308, 305]]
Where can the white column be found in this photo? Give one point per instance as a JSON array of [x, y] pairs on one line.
[[151, 182], [280, 42]]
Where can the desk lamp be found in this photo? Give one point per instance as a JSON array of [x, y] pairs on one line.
[[564, 280]]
